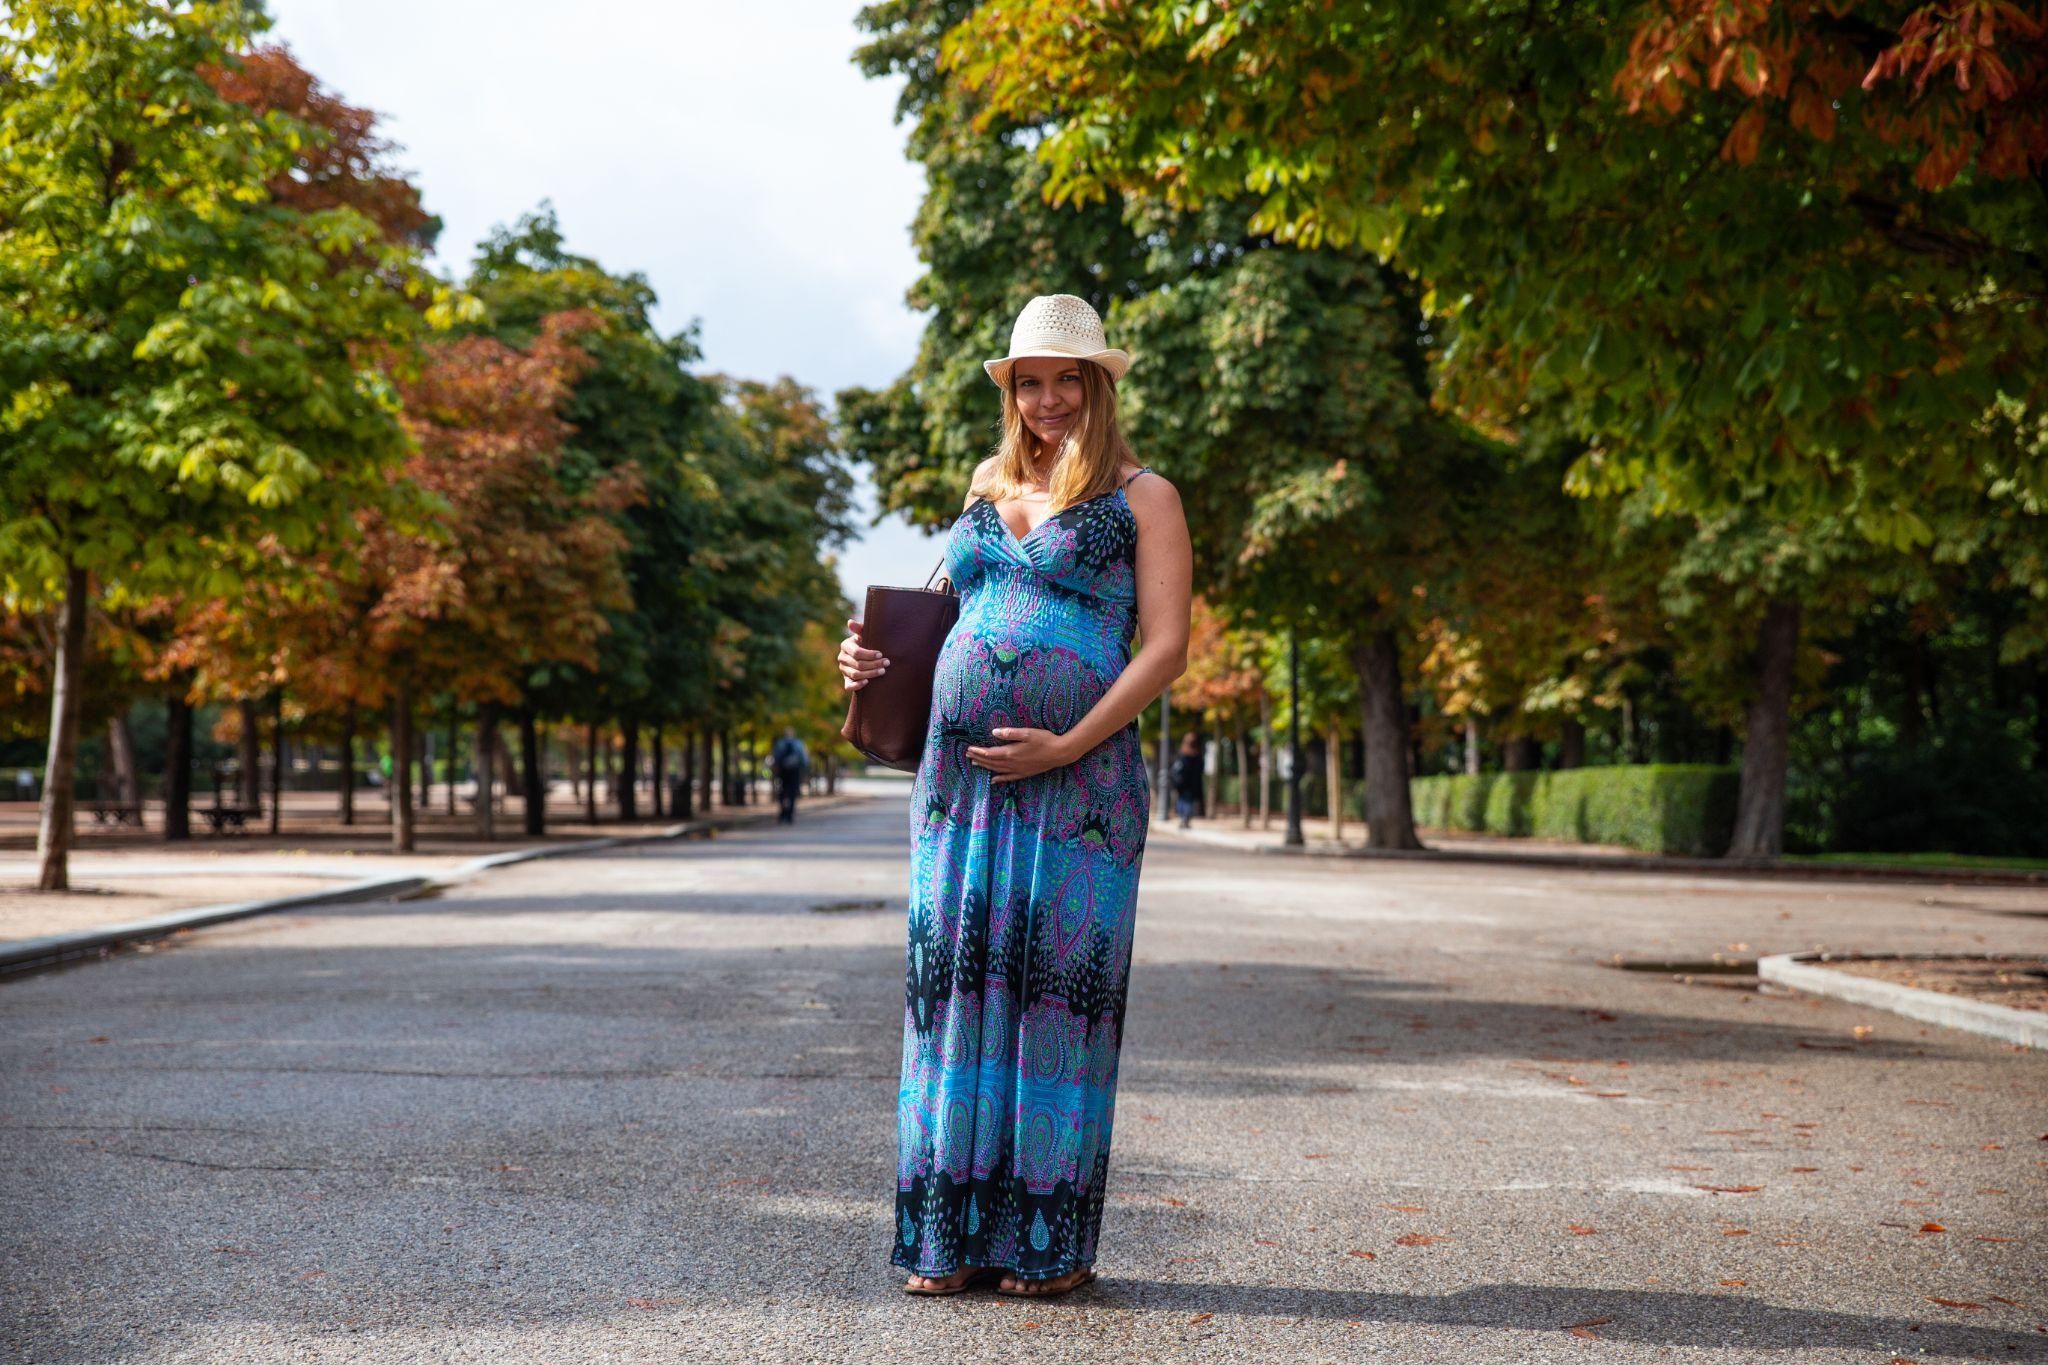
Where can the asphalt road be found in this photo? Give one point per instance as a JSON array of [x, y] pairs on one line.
[[640, 1106]]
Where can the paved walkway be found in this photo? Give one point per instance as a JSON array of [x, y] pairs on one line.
[[639, 1106], [121, 876]]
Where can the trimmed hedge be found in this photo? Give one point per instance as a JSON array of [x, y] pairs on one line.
[[1661, 808]]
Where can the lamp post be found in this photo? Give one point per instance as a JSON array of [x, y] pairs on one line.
[[1293, 839]]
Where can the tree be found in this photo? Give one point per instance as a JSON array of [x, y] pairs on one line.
[[1283, 390], [178, 371]]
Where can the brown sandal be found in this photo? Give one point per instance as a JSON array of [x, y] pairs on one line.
[[967, 1281], [1087, 1276]]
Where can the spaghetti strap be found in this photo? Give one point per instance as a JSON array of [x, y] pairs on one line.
[[1143, 469]]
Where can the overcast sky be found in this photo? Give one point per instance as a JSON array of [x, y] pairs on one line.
[[730, 152]]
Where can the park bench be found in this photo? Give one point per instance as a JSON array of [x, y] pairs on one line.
[[224, 818], [117, 813]]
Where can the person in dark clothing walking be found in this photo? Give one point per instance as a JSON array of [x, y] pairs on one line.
[[1187, 778], [791, 761]]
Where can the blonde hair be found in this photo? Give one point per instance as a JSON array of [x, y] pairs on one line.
[[1090, 459]]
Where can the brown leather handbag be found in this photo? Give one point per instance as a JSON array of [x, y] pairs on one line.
[[887, 719]]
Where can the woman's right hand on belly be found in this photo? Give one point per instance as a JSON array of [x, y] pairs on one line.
[[857, 663]]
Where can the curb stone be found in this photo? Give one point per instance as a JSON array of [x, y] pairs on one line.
[[26, 956], [1674, 863], [2028, 1028]]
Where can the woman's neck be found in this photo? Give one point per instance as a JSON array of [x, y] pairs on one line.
[[1043, 460]]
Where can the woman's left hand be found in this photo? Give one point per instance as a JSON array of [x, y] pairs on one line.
[[1023, 753]]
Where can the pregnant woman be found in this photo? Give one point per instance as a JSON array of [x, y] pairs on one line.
[[1028, 821]]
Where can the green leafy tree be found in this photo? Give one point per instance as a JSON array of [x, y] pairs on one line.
[[178, 370]]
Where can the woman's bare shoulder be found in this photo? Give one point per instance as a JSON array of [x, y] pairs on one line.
[[1150, 491], [979, 478]]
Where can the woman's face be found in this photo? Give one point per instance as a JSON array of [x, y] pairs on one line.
[[1049, 396]]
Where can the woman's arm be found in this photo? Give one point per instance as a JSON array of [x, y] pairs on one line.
[[1166, 572]]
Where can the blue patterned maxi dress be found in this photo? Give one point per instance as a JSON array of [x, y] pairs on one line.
[[1022, 903]]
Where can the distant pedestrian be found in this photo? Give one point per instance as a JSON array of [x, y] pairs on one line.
[[1187, 778], [791, 761]]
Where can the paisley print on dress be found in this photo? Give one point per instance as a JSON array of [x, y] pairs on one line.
[[1022, 905]]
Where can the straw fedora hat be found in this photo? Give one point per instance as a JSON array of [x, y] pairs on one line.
[[1058, 325]]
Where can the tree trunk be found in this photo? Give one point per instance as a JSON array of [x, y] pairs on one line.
[[277, 759], [725, 792], [1472, 757], [590, 773], [121, 758], [177, 768], [1212, 774], [454, 752], [654, 796], [1521, 754], [1333, 766], [401, 769], [1630, 741], [707, 770], [1760, 806], [1571, 744], [1244, 775], [54, 836], [1389, 815], [575, 769], [423, 737], [685, 778], [486, 760], [348, 764], [532, 783], [629, 769], [1265, 760], [249, 757]]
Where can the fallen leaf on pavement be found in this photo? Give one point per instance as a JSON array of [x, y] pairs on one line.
[[1951, 1303], [1418, 1239], [1405, 1208], [1581, 1230], [1729, 1189], [1200, 1317], [1363, 1255]]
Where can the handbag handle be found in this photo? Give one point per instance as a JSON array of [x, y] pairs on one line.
[[933, 577]]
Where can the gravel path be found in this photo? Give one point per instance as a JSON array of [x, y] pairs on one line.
[[639, 1106]]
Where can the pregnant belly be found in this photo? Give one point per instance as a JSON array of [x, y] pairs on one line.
[[986, 679]]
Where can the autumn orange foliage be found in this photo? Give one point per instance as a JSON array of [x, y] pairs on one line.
[[1964, 80], [349, 167]]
